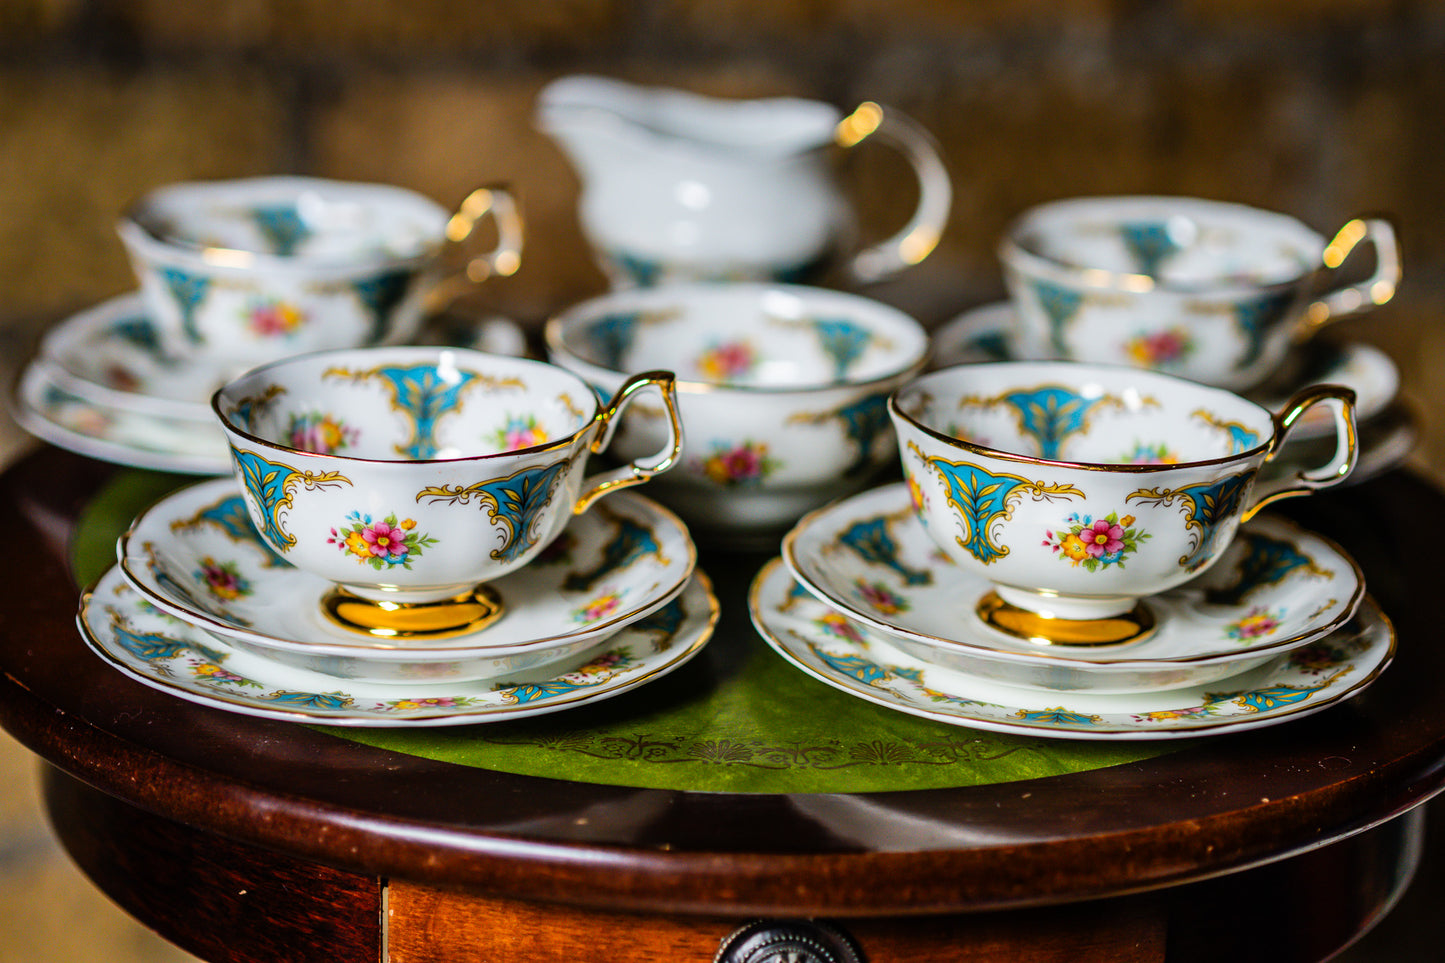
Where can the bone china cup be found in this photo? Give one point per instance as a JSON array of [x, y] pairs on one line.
[[1080, 490], [782, 391], [409, 477], [1214, 292], [255, 269]]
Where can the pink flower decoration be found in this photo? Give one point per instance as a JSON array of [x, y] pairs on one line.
[[384, 540], [1103, 538]]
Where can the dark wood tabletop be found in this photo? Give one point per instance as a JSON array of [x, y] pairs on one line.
[[322, 805]]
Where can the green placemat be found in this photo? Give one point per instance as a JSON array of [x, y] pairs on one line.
[[736, 719]]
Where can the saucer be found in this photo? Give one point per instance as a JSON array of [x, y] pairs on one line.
[[66, 420], [861, 662], [195, 555], [986, 334], [1275, 588], [166, 654]]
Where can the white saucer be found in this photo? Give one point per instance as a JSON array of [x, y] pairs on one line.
[[851, 657], [195, 555], [102, 385], [1275, 588], [167, 654], [986, 334], [69, 421]]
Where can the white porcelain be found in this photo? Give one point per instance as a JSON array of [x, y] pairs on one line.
[[857, 660], [1210, 291], [1273, 590], [1080, 489], [678, 186], [249, 270], [409, 476], [172, 656], [196, 555], [66, 420], [781, 391], [989, 333]]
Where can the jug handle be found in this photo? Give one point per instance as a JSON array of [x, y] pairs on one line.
[[920, 235], [1375, 290], [501, 206]]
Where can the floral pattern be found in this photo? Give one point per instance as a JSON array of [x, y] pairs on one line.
[[520, 431], [1255, 624], [727, 361], [598, 609], [743, 464], [380, 543], [1146, 453], [272, 318], [1160, 348], [223, 579], [320, 433], [881, 597], [1092, 543]]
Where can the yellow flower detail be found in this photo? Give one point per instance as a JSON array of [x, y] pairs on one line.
[[357, 545]]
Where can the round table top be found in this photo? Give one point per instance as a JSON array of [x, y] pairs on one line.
[[1212, 805]]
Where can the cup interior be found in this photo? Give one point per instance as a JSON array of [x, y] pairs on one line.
[[406, 404], [1084, 414], [293, 218], [766, 337], [1174, 241]]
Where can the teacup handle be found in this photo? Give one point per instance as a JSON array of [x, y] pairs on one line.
[[1342, 402], [1375, 290], [501, 206], [639, 471], [920, 235]]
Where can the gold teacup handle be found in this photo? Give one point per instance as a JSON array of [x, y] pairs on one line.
[[1372, 292], [921, 234], [1337, 469], [640, 470], [498, 204]]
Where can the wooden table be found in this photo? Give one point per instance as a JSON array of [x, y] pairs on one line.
[[247, 839]]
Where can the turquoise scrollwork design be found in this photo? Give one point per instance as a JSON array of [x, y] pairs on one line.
[[1241, 439], [1206, 507], [1254, 317], [273, 486], [983, 499], [1060, 304], [629, 542], [1266, 561], [380, 295], [863, 422], [282, 226], [423, 394], [149, 646], [189, 290], [230, 516], [853, 666], [1149, 243], [1050, 414], [515, 501], [842, 341], [871, 539]]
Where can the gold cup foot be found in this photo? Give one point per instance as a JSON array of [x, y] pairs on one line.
[[444, 618], [1134, 625]]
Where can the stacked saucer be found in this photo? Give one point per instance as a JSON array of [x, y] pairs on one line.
[[103, 384], [199, 606], [1389, 428], [1278, 628]]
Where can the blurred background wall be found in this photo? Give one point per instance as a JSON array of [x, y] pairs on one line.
[[1323, 109]]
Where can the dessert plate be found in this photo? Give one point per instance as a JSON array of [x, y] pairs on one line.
[[167, 654], [69, 421], [862, 662], [195, 555], [985, 334], [1275, 588]]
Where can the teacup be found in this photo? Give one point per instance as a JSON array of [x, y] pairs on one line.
[[1080, 490], [250, 270], [782, 391], [411, 476], [1210, 291]]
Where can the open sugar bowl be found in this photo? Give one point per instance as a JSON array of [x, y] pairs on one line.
[[411, 477], [1218, 293], [1079, 491], [250, 270], [782, 391]]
